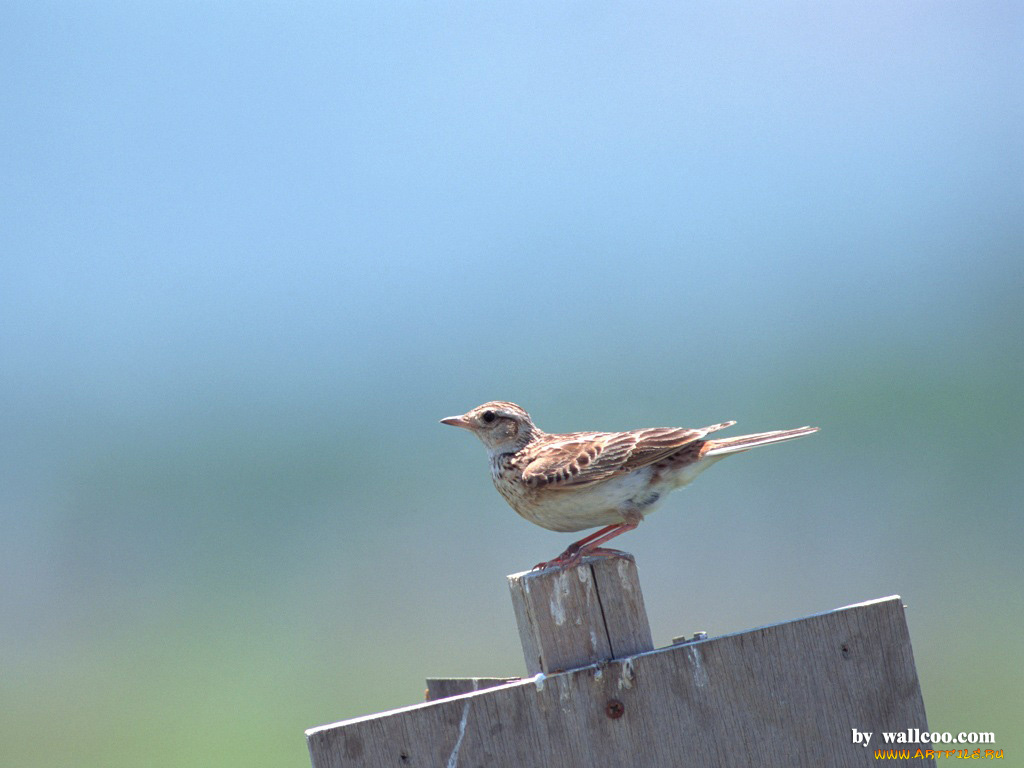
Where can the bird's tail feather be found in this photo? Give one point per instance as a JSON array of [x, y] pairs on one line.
[[726, 445]]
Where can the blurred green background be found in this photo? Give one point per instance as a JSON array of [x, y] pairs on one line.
[[252, 252]]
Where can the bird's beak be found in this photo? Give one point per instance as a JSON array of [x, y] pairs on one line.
[[458, 421]]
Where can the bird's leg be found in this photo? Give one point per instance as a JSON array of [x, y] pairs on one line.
[[588, 545], [592, 544], [576, 546], [573, 549], [593, 547]]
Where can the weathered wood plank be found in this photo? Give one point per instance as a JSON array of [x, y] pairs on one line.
[[622, 604], [578, 616], [787, 694]]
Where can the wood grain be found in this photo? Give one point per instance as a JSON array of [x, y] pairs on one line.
[[578, 616], [787, 694]]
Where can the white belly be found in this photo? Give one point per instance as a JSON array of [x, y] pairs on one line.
[[574, 509]]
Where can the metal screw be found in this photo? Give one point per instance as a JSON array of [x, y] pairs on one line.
[[614, 709], [683, 639]]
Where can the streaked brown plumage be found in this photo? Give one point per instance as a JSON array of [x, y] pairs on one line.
[[587, 479]]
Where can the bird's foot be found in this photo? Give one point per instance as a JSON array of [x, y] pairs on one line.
[[574, 555], [569, 558], [556, 563], [563, 561]]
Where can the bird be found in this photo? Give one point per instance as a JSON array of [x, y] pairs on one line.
[[612, 480]]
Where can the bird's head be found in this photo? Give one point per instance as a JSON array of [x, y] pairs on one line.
[[502, 427]]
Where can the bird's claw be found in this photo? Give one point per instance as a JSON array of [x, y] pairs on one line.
[[574, 555]]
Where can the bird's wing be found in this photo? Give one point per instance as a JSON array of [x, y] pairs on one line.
[[571, 461]]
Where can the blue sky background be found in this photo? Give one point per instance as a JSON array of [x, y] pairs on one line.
[[250, 253]]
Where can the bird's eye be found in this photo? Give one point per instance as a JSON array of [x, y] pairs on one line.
[[488, 417]]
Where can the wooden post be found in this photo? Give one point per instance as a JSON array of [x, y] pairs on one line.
[[578, 616], [787, 694]]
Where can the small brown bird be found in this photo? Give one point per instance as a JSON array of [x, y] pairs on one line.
[[589, 479]]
